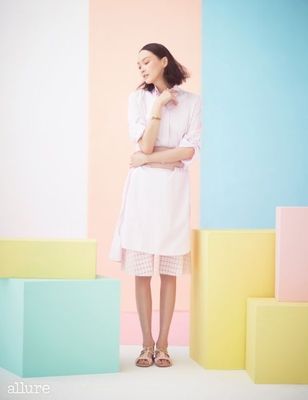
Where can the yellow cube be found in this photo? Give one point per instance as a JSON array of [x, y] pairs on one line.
[[47, 258], [227, 267], [277, 341]]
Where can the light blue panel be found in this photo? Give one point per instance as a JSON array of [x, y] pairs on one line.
[[11, 325], [66, 326], [255, 90]]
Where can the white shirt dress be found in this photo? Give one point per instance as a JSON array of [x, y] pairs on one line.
[[155, 210]]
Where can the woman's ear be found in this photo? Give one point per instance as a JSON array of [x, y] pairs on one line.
[[165, 58]]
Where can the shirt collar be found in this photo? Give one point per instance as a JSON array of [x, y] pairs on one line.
[[157, 93]]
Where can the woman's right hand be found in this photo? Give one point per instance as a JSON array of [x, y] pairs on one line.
[[168, 95]]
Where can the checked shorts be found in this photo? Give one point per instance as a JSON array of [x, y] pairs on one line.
[[143, 264]]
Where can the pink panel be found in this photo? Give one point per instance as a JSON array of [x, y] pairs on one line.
[[117, 31], [291, 283], [178, 334]]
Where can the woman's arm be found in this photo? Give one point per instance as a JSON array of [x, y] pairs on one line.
[[172, 165], [146, 142], [169, 155], [158, 159], [167, 165]]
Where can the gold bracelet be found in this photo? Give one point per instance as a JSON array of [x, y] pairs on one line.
[[155, 117]]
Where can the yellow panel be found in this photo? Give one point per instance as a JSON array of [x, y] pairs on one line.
[[228, 267], [277, 341], [27, 258]]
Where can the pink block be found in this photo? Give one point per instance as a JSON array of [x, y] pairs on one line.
[[178, 333], [291, 281]]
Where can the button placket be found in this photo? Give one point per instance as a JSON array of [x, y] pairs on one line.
[[169, 128]]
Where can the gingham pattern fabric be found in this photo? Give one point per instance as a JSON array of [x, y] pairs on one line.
[[143, 264]]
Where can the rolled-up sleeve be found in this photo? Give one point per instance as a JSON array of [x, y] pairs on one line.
[[136, 116], [192, 138]]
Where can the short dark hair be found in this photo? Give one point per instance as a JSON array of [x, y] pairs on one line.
[[174, 73]]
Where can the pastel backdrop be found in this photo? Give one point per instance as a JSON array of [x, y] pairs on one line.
[[255, 88], [63, 167], [44, 119], [54, 155]]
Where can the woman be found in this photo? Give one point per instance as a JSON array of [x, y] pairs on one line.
[[164, 124]]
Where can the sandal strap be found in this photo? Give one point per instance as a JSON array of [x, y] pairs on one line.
[[148, 348], [162, 349], [162, 354], [147, 353]]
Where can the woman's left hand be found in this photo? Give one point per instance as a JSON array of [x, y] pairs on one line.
[[137, 159]]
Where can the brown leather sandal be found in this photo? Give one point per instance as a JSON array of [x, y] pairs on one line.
[[147, 354], [162, 354]]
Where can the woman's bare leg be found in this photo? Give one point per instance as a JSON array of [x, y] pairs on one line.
[[144, 307], [167, 291], [167, 303]]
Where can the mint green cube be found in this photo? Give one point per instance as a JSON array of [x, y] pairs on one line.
[[52, 327]]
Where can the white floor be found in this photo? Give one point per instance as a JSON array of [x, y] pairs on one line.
[[185, 380]]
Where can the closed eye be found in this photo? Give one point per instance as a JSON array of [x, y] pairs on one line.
[[144, 64]]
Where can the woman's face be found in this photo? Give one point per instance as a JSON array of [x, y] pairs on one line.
[[150, 66]]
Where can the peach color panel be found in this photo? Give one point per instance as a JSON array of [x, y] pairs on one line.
[[291, 281], [118, 30]]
